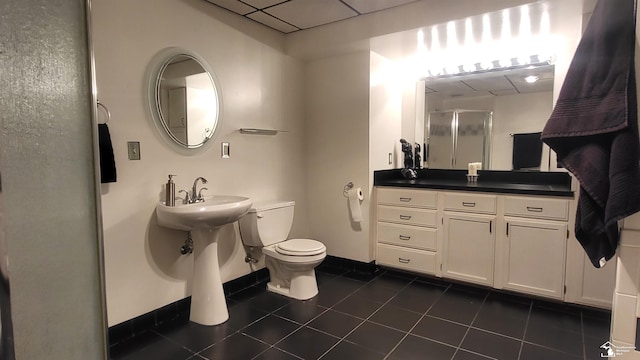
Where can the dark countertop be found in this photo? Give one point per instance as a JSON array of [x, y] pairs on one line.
[[510, 182]]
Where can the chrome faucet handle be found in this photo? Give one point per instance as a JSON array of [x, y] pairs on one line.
[[200, 198], [187, 196]]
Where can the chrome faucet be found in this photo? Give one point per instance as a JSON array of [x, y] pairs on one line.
[[197, 196], [194, 196]]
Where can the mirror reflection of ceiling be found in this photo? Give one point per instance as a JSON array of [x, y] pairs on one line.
[[288, 16], [507, 82]]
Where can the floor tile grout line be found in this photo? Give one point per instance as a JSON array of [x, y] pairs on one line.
[[194, 352], [584, 345], [417, 322], [271, 346], [526, 326], [486, 296], [323, 312], [366, 319], [240, 330]]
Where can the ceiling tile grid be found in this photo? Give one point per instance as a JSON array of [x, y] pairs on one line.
[[288, 16], [311, 13], [236, 6], [272, 22]]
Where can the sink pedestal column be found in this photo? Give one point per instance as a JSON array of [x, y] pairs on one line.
[[208, 304]]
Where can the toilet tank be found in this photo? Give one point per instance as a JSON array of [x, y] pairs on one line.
[[267, 223]]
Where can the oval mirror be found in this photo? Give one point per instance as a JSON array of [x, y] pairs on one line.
[[185, 99]]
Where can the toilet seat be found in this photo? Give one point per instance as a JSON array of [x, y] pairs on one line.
[[300, 247]]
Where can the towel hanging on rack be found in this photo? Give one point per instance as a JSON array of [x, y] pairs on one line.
[[107, 159], [106, 110]]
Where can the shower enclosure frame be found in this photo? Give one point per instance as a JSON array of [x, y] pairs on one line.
[[453, 162]]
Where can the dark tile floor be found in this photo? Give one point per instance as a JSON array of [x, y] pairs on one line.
[[389, 315]]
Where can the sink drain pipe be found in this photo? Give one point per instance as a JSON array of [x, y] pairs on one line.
[[187, 247]]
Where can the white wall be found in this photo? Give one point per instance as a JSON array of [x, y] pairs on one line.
[[385, 120], [261, 87], [337, 113]]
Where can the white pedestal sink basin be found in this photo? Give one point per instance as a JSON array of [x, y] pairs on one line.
[[204, 219]]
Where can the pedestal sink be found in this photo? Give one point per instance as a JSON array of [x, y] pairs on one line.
[[204, 219]]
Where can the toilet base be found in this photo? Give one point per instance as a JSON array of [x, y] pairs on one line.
[[297, 281], [302, 287]]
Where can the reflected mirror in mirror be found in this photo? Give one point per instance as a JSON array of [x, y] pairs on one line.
[[185, 100], [491, 117]]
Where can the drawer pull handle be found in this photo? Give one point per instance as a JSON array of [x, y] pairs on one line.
[[469, 204], [403, 260], [405, 199], [405, 217], [534, 209], [404, 237]]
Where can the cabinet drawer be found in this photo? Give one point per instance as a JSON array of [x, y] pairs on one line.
[[419, 217], [408, 197], [407, 235], [485, 204], [409, 259], [536, 208]]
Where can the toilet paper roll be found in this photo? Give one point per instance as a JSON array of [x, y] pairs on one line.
[[355, 196]]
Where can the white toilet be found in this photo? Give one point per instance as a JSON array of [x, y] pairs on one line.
[[291, 262]]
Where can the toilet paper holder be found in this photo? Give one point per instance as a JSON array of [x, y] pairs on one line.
[[346, 188], [350, 186]]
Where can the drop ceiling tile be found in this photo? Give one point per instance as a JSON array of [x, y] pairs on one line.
[[272, 22], [494, 83], [309, 13], [448, 86], [367, 6], [504, 92], [234, 5], [261, 4]]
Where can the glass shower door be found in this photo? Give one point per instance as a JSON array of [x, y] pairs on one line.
[[6, 328], [471, 139], [440, 142]]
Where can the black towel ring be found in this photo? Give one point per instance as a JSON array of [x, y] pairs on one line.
[[106, 110]]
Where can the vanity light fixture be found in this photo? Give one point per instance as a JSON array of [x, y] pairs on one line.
[[521, 62]]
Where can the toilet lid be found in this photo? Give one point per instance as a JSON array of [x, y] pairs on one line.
[[300, 247]]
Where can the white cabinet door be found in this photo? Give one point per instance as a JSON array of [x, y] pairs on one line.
[[534, 257], [469, 242]]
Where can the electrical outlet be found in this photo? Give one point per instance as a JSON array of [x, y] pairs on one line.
[[133, 148]]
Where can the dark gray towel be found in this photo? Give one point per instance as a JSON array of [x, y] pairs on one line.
[[594, 130], [107, 160]]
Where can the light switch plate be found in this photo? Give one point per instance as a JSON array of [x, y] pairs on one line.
[[225, 150], [133, 148]]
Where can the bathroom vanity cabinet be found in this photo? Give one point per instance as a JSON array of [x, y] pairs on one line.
[[407, 230], [469, 223], [513, 239], [532, 247]]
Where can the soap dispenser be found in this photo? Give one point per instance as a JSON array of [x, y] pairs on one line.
[[170, 192]]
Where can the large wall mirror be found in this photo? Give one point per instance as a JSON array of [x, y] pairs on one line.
[[485, 83], [493, 117], [185, 99]]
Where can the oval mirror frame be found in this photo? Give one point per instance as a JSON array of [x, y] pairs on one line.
[[158, 100]]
